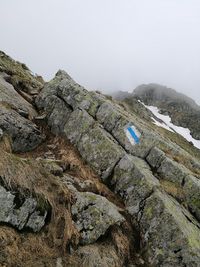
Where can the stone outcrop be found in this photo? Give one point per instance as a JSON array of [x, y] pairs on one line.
[[97, 127], [19, 75], [92, 213], [22, 216], [104, 189], [24, 133], [15, 112]]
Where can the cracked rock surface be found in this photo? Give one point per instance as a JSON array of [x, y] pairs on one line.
[[93, 214], [21, 215], [168, 224]]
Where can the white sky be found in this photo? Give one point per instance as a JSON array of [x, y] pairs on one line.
[[107, 44]]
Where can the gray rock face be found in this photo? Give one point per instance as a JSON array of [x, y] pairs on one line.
[[58, 116], [93, 215], [155, 157], [12, 99], [170, 234], [100, 150], [178, 175], [26, 215], [191, 190], [56, 108], [14, 114], [25, 135], [95, 145], [134, 182], [172, 171], [78, 124]]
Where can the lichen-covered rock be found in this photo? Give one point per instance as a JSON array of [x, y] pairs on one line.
[[107, 116], [99, 149], [24, 133], [56, 108], [36, 221], [177, 174], [191, 189], [172, 171], [11, 99], [19, 75], [98, 127], [79, 123], [58, 116], [93, 215], [155, 157], [134, 182], [77, 96], [171, 235], [20, 215], [116, 122]]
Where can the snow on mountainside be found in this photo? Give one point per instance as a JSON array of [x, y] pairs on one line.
[[167, 124]]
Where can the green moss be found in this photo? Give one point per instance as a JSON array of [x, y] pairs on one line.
[[92, 197], [149, 212], [20, 76]]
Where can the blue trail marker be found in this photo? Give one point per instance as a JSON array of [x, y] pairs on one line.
[[133, 135]]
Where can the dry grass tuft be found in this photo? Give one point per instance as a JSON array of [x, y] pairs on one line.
[[67, 153], [24, 174], [27, 177]]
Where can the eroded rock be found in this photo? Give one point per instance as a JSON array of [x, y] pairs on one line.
[[20, 213], [24, 133], [171, 235], [93, 215]]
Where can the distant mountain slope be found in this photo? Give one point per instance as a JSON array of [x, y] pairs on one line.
[[182, 110]]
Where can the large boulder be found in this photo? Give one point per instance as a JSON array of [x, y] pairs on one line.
[[179, 177], [93, 215], [133, 181], [21, 213], [24, 133], [78, 124], [15, 113], [171, 235], [99, 149], [12, 99]]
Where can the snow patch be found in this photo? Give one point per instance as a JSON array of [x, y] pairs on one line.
[[167, 124]]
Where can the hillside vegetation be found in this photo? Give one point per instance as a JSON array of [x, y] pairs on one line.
[[76, 190]]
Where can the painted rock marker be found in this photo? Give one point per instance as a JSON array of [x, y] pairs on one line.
[[133, 135]]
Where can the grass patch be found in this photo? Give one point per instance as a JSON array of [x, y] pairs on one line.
[[20, 75]]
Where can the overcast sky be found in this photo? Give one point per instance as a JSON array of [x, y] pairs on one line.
[[107, 44]]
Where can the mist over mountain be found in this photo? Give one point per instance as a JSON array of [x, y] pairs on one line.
[[182, 109], [107, 45]]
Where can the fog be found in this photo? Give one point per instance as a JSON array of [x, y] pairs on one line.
[[107, 44]]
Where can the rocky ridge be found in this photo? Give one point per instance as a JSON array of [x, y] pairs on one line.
[[136, 205], [182, 110]]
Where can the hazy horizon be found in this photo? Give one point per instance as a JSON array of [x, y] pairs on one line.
[[107, 45]]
